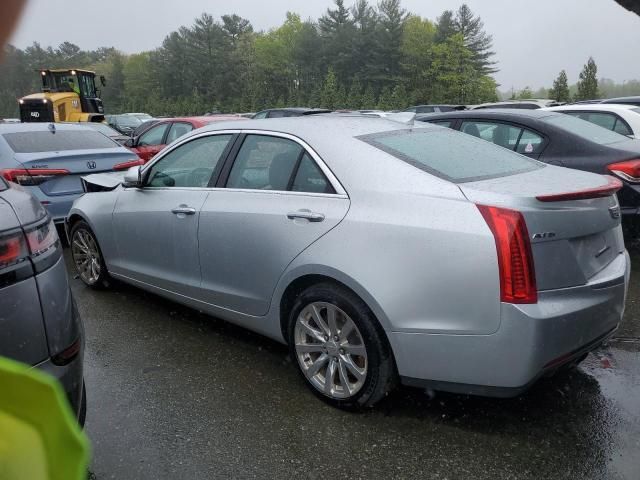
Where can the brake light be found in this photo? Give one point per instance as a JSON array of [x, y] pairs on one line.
[[129, 164], [68, 354], [12, 249], [629, 170], [515, 260], [611, 187], [32, 176], [42, 238]]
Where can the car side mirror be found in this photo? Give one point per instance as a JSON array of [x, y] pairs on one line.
[[133, 178], [129, 142], [103, 81]]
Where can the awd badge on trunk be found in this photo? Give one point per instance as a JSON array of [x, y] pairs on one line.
[[91, 165]]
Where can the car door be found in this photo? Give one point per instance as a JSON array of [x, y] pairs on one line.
[[275, 197], [156, 226], [151, 141]]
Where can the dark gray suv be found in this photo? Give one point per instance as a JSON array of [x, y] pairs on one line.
[[39, 321]]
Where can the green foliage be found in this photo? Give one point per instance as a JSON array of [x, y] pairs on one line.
[[588, 83], [560, 89], [362, 55], [525, 93]]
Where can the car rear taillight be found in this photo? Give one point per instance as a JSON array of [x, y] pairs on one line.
[[32, 176], [628, 170], [515, 260], [42, 238], [13, 249], [129, 164], [606, 190], [68, 354]]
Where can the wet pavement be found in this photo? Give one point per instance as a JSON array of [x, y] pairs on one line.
[[173, 394]]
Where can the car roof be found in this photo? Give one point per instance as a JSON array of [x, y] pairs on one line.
[[296, 109], [39, 127], [494, 113], [622, 99], [603, 107]]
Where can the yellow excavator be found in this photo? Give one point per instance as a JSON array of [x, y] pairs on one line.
[[67, 96]]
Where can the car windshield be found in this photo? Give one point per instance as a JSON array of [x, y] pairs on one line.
[[450, 155], [45, 141], [587, 130], [128, 121]]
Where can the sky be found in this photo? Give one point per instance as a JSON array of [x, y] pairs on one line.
[[533, 39]]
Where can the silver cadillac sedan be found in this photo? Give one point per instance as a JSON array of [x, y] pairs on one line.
[[378, 250]]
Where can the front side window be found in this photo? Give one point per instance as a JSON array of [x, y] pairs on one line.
[[264, 163], [261, 115], [189, 165], [153, 136], [449, 155]]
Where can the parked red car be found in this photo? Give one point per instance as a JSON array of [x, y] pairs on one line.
[[160, 134]]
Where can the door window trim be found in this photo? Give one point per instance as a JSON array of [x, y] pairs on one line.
[[216, 171], [324, 168], [230, 153]]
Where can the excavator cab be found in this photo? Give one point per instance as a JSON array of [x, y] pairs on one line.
[[67, 96]]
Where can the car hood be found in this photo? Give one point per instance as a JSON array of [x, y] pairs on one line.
[[102, 181]]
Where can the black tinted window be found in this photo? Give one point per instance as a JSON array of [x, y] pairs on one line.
[[447, 154], [33, 142]]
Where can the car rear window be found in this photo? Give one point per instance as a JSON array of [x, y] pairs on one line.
[[582, 128], [451, 155], [46, 141]]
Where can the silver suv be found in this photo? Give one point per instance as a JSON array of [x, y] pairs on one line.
[[39, 320]]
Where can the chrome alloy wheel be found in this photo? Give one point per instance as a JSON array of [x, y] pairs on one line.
[[330, 350], [86, 256]]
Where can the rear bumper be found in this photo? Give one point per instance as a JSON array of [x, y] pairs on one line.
[[532, 340], [70, 375]]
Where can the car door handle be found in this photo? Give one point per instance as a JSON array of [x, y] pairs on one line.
[[307, 215], [183, 209]]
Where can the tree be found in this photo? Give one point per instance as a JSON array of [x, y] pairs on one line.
[[588, 83], [445, 26], [417, 40], [391, 19], [525, 93], [336, 30], [475, 39], [560, 90], [330, 90]]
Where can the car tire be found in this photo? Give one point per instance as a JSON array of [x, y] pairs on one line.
[[332, 333], [87, 256], [82, 413]]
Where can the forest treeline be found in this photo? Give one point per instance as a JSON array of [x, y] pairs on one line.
[[354, 56]]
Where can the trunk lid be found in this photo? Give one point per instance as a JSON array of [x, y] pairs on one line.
[[571, 240], [77, 163]]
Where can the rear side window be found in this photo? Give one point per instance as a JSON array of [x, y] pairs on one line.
[[34, 142], [505, 135], [449, 155], [584, 129], [309, 178], [264, 163]]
